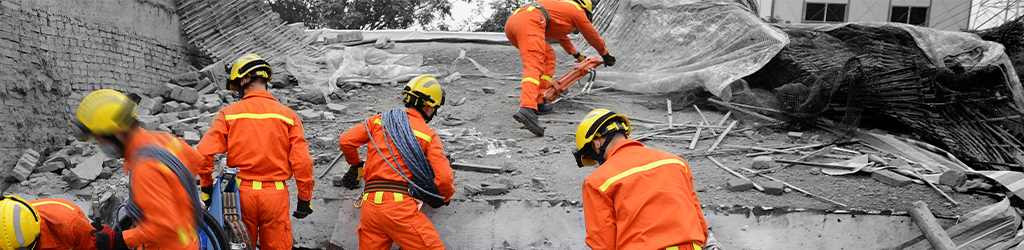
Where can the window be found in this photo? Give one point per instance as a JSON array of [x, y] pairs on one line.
[[824, 12], [909, 15]]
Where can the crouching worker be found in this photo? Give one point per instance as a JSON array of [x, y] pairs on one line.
[[163, 204], [405, 166], [639, 198], [43, 224]]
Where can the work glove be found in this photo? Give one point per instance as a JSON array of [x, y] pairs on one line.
[[579, 57], [105, 238], [207, 192], [351, 178], [609, 60], [302, 209]]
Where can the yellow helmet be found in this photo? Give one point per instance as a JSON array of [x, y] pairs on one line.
[[588, 7], [597, 123], [103, 113], [20, 224], [251, 65], [422, 90]]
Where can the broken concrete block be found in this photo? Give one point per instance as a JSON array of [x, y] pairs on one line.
[[472, 190], [188, 114], [311, 96], [211, 108], [489, 90], [164, 128], [891, 178], [211, 98], [168, 117], [175, 92], [762, 162], [309, 114], [209, 89], [148, 122], [336, 180], [187, 79], [538, 183], [26, 164], [952, 178], [112, 163], [105, 174], [179, 128], [51, 166], [188, 95], [348, 36], [795, 134], [90, 168], [323, 142], [171, 106], [149, 106], [495, 189], [774, 187], [165, 90], [337, 108], [191, 137], [76, 148], [73, 180], [739, 185], [381, 42], [202, 83]]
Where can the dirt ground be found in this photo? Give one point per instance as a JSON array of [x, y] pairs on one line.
[[550, 157]]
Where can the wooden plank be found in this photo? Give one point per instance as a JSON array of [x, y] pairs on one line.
[[722, 136], [930, 227], [475, 167]]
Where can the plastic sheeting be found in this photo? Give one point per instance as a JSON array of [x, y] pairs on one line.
[[673, 47]]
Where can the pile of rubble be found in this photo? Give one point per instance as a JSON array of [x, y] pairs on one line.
[[78, 165]]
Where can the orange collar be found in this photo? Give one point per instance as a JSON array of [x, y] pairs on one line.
[[623, 144], [259, 93]]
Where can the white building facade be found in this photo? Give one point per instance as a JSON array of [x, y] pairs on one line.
[[939, 14]]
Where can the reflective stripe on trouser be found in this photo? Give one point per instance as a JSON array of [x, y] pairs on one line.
[[394, 220], [265, 213], [693, 246], [526, 33]]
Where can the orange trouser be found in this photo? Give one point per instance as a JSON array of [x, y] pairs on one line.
[[525, 30], [387, 217], [265, 213]]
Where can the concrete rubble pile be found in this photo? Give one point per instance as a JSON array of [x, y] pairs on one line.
[[76, 165]]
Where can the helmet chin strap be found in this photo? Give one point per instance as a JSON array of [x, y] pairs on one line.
[[426, 118]]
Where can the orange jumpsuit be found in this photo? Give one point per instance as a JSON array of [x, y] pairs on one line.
[[62, 226], [265, 140], [387, 217], [167, 215], [642, 198], [525, 29]]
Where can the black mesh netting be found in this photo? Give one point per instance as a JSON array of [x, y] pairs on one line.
[[867, 75]]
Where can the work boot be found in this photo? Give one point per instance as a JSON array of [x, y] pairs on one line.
[[544, 108], [528, 117]]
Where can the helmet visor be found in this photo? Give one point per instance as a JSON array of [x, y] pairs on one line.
[[81, 132]]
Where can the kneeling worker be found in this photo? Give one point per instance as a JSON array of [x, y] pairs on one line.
[[388, 214], [43, 224], [627, 200], [164, 203]]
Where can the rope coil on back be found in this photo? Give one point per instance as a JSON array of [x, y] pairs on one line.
[[396, 126]]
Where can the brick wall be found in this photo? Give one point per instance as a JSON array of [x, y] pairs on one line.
[[54, 52]]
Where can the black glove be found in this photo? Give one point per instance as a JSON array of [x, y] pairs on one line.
[[609, 60], [579, 57], [351, 178], [105, 238], [207, 193], [302, 209]]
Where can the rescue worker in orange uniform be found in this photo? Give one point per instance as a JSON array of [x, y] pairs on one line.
[[527, 28], [43, 224], [163, 202], [388, 214], [265, 141], [638, 198]]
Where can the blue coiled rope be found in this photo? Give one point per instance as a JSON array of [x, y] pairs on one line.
[[396, 127], [181, 171]]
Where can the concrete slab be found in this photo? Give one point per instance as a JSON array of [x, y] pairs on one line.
[[90, 168], [26, 164]]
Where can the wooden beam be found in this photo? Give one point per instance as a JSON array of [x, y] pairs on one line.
[[930, 227]]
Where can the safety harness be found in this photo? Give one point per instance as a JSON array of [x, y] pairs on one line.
[[399, 132], [543, 11]]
